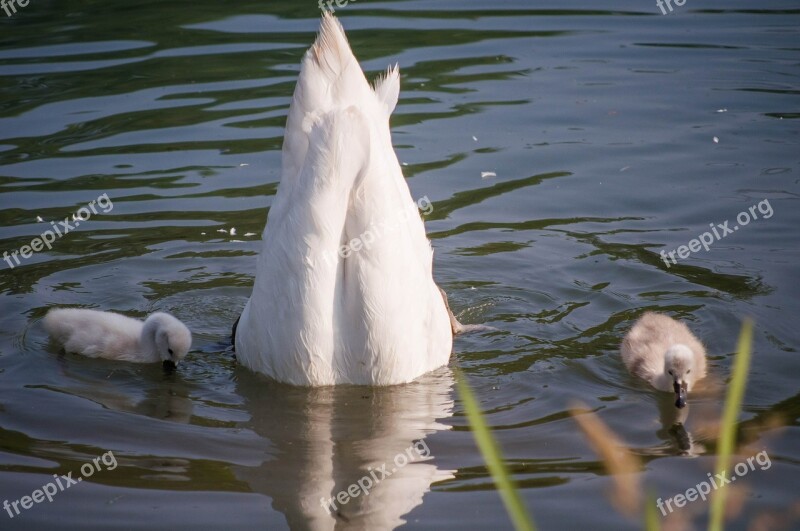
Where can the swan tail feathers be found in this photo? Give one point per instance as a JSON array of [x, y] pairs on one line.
[[387, 88], [330, 78], [331, 51]]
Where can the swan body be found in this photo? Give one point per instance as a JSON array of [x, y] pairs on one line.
[[344, 291], [161, 337], [665, 353]]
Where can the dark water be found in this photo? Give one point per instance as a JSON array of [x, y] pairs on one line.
[[599, 120]]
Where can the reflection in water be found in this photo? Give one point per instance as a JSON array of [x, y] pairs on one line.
[[168, 401], [325, 440], [682, 431], [673, 421]]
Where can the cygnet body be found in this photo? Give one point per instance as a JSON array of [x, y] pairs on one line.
[[665, 353], [161, 337]]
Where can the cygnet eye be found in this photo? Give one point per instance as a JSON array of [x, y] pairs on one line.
[[670, 372], [688, 371], [170, 351]]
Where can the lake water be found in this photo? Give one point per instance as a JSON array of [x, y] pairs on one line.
[[614, 132]]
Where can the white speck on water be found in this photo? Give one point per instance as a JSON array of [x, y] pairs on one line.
[[716, 140], [475, 138], [39, 219], [233, 231], [625, 168], [237, 241], [243, 164], [222, 230], [202, 234], [487, 174], [249, 233], [722, 110], [405, 164]]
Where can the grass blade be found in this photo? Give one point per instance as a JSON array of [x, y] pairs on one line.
[[733, 406], [494, 459], [652, 520], [623, 467]]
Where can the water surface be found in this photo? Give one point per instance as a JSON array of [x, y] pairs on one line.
[[614, 132]]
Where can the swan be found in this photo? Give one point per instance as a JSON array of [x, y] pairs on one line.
[[344, 290], [665, 353], [161, 337]]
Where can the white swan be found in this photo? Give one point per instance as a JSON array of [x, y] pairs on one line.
[[665, 353], [344, 291], [110, 335]]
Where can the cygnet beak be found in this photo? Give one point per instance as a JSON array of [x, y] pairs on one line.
[[169, 365], [680, 394]]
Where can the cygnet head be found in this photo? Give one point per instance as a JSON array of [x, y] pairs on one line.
[[678, 365], [171, 338]]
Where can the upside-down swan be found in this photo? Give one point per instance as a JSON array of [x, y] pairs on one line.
[[344, 291]]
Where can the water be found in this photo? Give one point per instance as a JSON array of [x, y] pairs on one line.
[[599, 121]]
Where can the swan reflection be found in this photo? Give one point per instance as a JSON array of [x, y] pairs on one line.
[[346, 457]]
